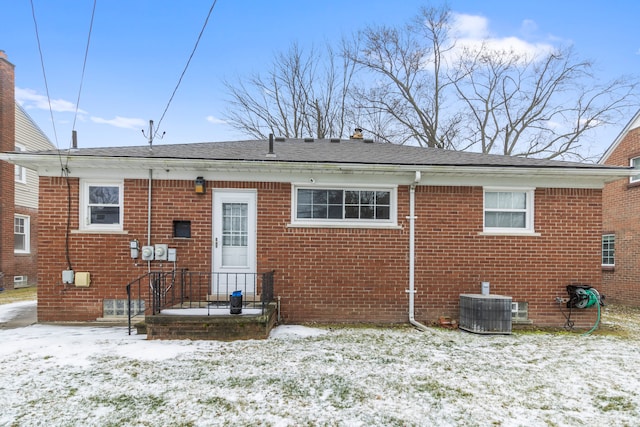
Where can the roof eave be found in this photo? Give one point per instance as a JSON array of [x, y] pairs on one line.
[[51, 165]]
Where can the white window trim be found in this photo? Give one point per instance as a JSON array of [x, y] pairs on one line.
[[635, 178], [392, 222], [27, 234], [20, 172], [84, 205], [529, 230], [602, 250]]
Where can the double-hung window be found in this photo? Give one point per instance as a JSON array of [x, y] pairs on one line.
[[21, 234], [101, 205], [20, 172], [608, 250], [508, 210], [344, 206]]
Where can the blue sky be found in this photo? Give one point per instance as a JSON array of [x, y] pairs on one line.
[[140, 47]]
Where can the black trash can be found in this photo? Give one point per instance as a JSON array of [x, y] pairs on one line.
[[235, 302]]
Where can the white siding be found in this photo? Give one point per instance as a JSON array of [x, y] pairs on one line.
[[29, 135]]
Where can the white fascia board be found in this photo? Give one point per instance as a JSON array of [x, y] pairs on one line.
[[234, 170]]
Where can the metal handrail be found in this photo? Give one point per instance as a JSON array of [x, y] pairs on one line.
[[188, 289]]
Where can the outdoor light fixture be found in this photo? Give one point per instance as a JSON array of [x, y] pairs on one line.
[[199, 185]]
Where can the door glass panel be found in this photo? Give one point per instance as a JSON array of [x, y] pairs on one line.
[[234, 234]]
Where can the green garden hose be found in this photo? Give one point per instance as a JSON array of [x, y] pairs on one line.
[[594, 298], [583, 297]]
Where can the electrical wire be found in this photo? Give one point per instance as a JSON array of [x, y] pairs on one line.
[[44, 74], [84, 63], [185, 69], [64, 168]]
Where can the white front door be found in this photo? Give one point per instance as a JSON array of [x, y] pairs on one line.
[[234, 241]]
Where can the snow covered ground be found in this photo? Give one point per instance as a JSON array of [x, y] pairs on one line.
[[100, 376]]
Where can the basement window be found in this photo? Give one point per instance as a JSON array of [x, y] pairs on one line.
[[520, 312], [118, 307], [20, 282], [333, 206]]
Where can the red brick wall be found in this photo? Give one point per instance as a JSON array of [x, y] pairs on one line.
[[106, 255], [621, 205], [7, 175], [341, 275]]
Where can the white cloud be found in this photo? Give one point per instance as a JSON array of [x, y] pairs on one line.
[[30, 99], [469, 26], [121, 122], [215, 120], [472, 32]]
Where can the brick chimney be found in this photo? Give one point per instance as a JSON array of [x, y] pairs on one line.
[[7, 171]]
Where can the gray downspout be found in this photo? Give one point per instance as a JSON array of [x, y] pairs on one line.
[[412, 252]]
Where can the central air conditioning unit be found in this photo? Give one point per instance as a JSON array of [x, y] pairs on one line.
[[485, 314]]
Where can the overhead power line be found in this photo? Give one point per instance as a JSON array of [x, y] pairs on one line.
[[44, 74], [185, 68], [84, 63]]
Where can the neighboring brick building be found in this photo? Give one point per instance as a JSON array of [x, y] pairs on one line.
[[333, 218], [19, 188], [621, 220]]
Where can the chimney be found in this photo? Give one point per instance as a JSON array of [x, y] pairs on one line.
[[7, 170], [357, 134], [7, 104]]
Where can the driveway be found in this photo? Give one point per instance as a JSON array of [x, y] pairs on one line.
[[19, 315]]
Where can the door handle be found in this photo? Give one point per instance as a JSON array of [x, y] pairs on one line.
[[216, 242]]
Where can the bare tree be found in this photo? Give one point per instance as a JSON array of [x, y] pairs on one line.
[[303, 95], [424, 87], [520, 105], [406, 100]]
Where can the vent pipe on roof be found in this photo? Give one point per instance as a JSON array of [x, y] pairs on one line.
[[74, 139], [271, 152]]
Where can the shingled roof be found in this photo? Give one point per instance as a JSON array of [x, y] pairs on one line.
[[332, 151]]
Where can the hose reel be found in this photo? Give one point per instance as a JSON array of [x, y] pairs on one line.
[[581, 297]]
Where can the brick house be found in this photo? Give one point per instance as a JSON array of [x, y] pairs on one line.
[[349, 226], [621, 220], [19, 189]]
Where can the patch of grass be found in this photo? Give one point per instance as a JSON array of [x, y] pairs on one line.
[[218, 405], [615, 403], [149, 403], [17, 295]]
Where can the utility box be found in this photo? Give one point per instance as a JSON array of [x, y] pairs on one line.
[[83, 279], [485, 314], [68, 276]]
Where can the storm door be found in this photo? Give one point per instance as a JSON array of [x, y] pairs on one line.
[[234, 241]]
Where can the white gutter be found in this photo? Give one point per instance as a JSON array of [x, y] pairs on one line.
[[412, 252], [49, 165]]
